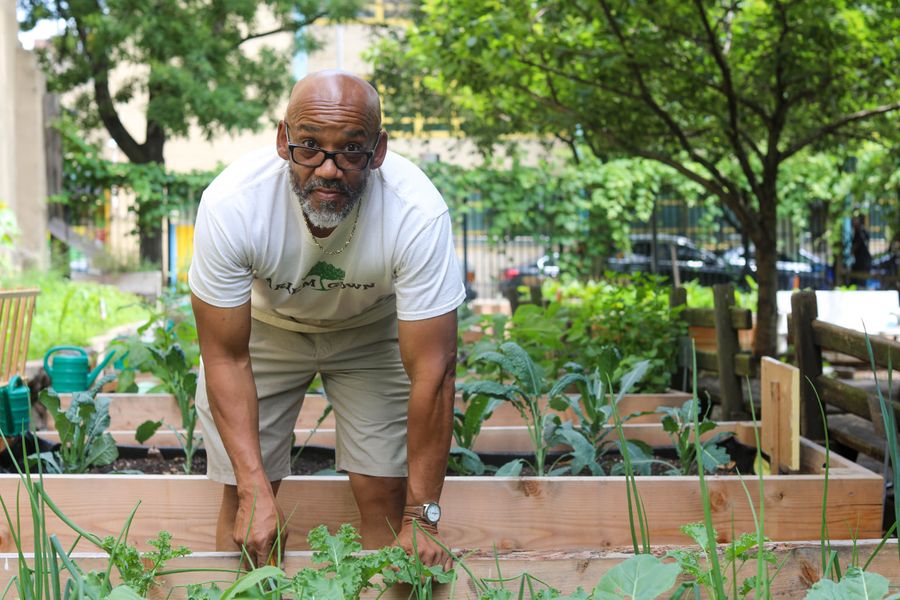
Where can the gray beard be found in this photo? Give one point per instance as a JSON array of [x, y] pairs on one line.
[[327, 215]]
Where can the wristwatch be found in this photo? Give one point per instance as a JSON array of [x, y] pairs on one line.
[[430, 512]]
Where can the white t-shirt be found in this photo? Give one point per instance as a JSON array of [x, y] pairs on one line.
[[251, 242]]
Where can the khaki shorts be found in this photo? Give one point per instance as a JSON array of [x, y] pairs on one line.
[[364, 381]]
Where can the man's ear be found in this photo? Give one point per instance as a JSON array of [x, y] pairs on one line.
[[380, 150], [281, 141]]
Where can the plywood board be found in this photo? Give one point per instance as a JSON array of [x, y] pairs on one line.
[[798, 564], [780, 395]]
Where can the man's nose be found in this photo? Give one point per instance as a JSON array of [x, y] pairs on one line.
[[329, 170]]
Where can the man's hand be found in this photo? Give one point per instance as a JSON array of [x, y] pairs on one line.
[[257, 525], [430, 553]]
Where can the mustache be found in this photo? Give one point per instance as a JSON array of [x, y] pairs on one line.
[[328, 184]]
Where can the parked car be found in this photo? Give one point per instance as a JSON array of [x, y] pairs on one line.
[[694, 262], [529, 275], [811, 270]]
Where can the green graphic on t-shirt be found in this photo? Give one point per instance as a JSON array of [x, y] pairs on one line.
[[325, 272]]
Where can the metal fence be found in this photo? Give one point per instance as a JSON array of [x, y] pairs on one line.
[[806, 256], [487, 263]]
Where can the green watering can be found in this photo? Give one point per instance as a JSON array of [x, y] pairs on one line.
[[70, 372], [15, 412]]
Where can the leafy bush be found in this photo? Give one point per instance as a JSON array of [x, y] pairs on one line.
[[701, 296], [72, 312], [610, 325], [631, 315]]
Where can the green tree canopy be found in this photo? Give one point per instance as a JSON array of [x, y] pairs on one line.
[[725, 93], [188, 62]]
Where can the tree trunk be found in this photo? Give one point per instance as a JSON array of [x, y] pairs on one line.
[[151, 228], [765, 343]]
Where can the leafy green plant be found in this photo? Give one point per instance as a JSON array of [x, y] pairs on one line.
[[166, 347], [631, 314], [641, 577], [480, 399], [83, 439], [524, 393], [696, 563], [679, 424], [593, 407], [701, 296], [855, 584], [539, 331], [342, 572]]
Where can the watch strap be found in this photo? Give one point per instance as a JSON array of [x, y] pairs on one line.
[[416, 512]]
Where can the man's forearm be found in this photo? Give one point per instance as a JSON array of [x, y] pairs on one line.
[[429, 433], [233, 401]]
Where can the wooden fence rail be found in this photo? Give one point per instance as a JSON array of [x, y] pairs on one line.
[[811, 337], [728, 361]]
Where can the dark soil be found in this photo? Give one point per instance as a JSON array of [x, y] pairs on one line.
[[317, 460], [170, 461]]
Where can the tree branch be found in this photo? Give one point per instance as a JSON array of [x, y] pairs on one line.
[[575, 79], [836, 125], [648, 99], [106, 108], [733, 130], [292, 27]]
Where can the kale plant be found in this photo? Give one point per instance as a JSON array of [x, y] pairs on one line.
[[593, 406], [678, 423], [83, 439], [480, 399]]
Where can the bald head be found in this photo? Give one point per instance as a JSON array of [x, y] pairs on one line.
[[336, 94]]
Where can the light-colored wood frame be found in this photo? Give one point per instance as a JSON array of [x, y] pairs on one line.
[[509, 438], [16, 314], [799, 567], [558, 513], [780, 414], [128, 411]]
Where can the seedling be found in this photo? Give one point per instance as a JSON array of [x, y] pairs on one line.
[[679, 424]]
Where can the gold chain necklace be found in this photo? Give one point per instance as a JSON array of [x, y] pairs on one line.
[[349, 239]]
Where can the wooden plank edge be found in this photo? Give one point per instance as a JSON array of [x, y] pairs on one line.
[[799, 567], [505, 438], [853, 343]]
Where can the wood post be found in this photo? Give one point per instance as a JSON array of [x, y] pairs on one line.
[[728, 347], [809, 359], [684, 356]]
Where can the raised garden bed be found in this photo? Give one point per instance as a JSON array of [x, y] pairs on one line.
[[553, 513], [800, 567], [128, 411]]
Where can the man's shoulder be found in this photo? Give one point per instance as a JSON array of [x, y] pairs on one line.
[[408, 185], [257, 168]]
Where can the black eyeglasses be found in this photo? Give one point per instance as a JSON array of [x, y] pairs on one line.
[[313, 157]]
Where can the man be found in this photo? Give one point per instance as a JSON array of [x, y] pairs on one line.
[[859, 248], [327, 254]]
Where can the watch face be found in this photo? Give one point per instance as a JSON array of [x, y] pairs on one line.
[[432, 512]]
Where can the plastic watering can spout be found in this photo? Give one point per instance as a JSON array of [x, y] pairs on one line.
[[93, 374]]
